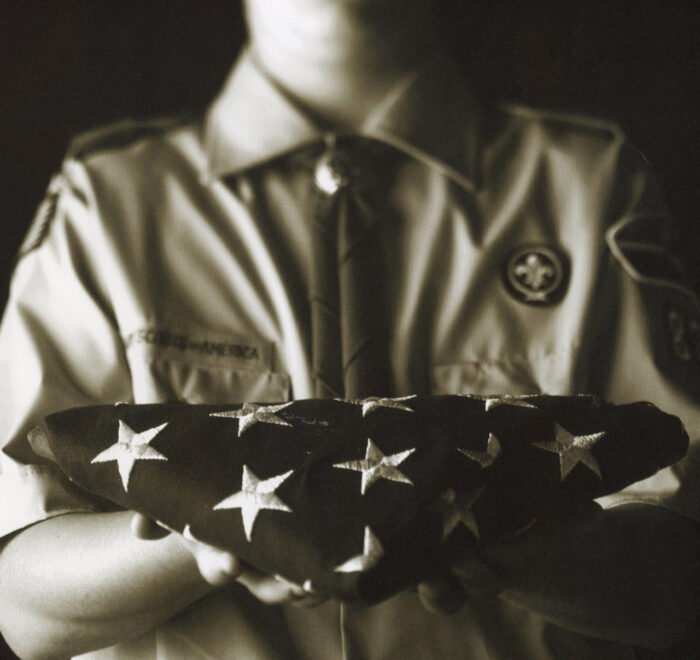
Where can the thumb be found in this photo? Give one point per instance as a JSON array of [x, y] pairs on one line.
[[147, 528], [476, 577], [216, 566]]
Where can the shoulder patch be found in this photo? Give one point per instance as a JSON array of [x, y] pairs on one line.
[[683, 330], [119, 134], [673, 318], [44, 215]]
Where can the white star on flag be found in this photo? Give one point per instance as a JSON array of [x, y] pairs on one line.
[[372, 403], [509, 400], [572, 449], [459, 511], [484, 458], [372, 552], [376, 466], [252, 413], [255, 496], [129, 448]]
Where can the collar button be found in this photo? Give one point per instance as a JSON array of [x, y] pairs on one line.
[[332, 172]]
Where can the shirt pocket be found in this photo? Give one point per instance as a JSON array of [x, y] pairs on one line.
[[168, 367], [484, 377]]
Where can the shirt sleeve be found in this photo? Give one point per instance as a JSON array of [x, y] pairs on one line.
[[651, 330], [59, 347]]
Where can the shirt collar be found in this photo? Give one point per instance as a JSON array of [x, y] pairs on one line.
[[430, 114]]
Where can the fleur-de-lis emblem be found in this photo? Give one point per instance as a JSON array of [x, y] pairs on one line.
[[535, 274]]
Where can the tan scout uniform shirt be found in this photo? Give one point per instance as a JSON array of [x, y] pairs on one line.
[[173, 264]]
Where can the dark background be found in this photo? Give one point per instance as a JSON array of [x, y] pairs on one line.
[[73, 64], [68, 65]]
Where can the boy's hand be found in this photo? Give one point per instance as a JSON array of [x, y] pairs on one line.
[[448, 588], [219, 567]]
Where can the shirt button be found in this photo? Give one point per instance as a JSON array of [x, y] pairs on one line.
[[332, 172], [245, 189]]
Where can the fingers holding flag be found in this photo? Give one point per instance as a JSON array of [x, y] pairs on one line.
[[219, 567], [276, 590], [440, 593], [451, 584]]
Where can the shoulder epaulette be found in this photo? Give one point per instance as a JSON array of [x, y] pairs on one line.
[[566, 119], [119, 134]]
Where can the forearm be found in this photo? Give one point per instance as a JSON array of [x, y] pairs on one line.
[[628, 574], [83, 581]]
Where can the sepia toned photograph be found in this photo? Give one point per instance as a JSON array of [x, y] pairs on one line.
[[349, 330]]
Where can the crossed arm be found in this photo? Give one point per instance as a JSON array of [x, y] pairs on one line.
[[84, 581]]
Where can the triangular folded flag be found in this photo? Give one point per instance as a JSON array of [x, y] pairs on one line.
[[357, 497]]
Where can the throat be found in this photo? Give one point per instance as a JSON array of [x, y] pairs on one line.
[[337, 60]]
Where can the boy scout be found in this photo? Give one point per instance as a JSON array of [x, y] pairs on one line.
[[528, 253]]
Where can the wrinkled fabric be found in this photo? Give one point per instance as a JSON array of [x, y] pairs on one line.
[[175, 267]]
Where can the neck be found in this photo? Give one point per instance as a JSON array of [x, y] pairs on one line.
[[338, 59]]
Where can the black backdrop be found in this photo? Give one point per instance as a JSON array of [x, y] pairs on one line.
[[68, 65]]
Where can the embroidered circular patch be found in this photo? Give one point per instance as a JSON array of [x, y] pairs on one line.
[[536, 275]]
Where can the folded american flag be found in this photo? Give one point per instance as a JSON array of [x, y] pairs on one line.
[[358, 496]]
